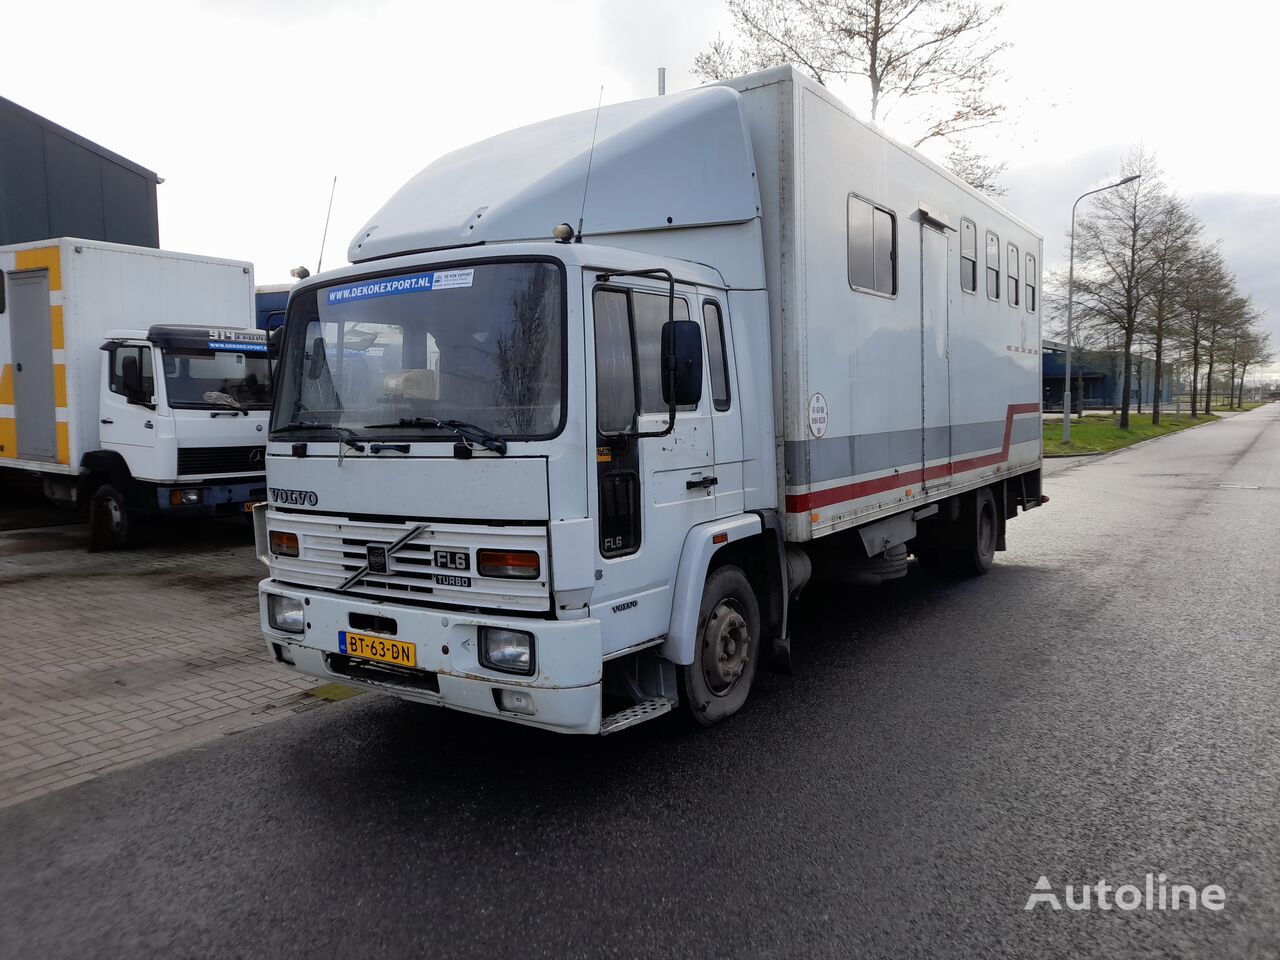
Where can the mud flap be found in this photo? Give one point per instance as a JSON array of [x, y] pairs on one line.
[[777, 655]]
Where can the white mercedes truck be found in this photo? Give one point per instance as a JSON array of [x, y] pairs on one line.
[[132, 381], [596, 397]]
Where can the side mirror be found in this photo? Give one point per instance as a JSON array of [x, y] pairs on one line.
[[131, 378], [274, 339], [318, 359], [681, 362]]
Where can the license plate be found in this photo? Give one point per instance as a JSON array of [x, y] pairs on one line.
[[377, 648]]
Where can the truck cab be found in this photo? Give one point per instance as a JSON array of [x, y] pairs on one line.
[[182, 426], [456, 388]]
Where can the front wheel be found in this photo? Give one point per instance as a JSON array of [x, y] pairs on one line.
[[110, 525], [727, 649]]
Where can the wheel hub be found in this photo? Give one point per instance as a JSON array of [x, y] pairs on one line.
[[726, 646]]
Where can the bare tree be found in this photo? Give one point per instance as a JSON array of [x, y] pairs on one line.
[[1246, 343], [1200, 288], [977, 171], [1254, 351], [1114, 259], [1174, 235], [937, 55], [1228, 312]]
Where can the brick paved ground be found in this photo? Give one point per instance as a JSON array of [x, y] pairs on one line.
[[109, 659]]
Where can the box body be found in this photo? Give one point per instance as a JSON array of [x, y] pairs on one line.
[[884, 400]]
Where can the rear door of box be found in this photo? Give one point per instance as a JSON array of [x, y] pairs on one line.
[[31, 343]]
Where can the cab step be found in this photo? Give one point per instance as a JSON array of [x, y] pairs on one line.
[[642, 711]]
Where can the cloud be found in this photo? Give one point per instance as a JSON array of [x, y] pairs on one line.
[[637, 38], [1249, 227], [1248, 224]]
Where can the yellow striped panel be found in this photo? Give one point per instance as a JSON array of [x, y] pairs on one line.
[[55, 321], [8, 438], [6, 383], [45, 258], [60, 385], [64, 443]]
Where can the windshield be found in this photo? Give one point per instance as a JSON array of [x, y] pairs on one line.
[[482, 345], [216, 378]]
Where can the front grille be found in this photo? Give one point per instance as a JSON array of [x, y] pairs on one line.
[[331, 549], [202, 460], [375, 672]]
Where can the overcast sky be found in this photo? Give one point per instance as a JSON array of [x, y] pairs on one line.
[[249, 108]]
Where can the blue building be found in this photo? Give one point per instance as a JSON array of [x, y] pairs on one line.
[[1102, 373]]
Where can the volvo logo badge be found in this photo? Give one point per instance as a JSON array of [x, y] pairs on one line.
[[377, 557]]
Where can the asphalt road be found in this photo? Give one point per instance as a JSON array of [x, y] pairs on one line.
[[1105, 704]]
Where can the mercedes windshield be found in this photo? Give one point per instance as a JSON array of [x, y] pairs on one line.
[[210, 368], [480, 345]]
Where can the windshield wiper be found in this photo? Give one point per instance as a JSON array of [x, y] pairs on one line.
[[345, 434], [460, 428]]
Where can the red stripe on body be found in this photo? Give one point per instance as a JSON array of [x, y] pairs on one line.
[[804, 502]]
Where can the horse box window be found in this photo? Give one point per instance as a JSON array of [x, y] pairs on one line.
[[873, 248]]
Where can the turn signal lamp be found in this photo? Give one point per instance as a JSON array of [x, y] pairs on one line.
[[284, 544], [508, 564]]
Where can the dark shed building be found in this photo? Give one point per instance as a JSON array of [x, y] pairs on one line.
[[54, 183]]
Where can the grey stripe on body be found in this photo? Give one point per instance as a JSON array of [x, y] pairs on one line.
[[834, 458]]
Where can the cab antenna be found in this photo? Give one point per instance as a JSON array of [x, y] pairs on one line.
[[590, 156], [328, 213]]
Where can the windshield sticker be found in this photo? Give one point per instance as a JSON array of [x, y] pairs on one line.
[[240, 336], [391, 286], [242, 347], [452, 278]]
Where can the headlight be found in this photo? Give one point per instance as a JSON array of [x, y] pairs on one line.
[[508, 564], [178, 498], [285, 613], [283, 544], [510, 651]]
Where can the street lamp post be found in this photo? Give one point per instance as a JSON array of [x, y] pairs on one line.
[[1071, 289]]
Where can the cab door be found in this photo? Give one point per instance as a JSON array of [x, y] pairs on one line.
[[726, 421], [125, 427], [649, 490]]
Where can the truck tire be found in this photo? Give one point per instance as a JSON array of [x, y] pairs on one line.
[[979, 530], [110, 525], [726, 651]]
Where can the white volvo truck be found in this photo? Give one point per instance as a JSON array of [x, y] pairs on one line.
[[597, 396], [131, 381]]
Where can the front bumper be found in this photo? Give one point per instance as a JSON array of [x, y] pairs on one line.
[[564, 694], [217, 498]]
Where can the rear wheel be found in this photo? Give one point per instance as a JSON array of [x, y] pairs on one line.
[[718, 682], [110, 525], [980, 529]]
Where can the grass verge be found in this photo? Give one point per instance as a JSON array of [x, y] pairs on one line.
[[1100, 434]]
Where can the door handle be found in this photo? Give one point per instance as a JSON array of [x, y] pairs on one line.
[[701, 482], [149, 425], [106, 420]]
